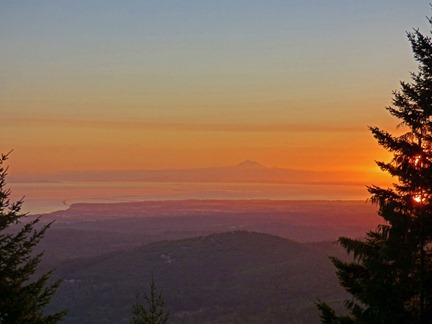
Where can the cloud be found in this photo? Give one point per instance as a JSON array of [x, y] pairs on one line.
[[184, 126]]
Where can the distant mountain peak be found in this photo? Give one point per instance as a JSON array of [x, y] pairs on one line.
[[250, 164]]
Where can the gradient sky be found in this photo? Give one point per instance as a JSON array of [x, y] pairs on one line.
[[89, 85]]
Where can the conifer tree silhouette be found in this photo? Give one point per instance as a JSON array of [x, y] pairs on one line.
[[22, 297], [390, 278]]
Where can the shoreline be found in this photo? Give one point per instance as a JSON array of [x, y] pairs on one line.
[[178, 206]]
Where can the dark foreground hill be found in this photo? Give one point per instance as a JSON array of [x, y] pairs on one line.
[[236, 277], [88, 230]]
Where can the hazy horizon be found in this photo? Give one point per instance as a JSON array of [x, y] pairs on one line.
[[246, 180]]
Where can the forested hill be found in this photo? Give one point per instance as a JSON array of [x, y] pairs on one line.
[[235, 277]]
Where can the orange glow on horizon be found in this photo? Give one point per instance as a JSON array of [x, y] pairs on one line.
[[419, 199], [344, 155]]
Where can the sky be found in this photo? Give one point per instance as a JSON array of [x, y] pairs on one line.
[[102, 85]]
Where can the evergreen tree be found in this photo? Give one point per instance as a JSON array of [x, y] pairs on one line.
[[152, 311], [22, 297], [390, 277]]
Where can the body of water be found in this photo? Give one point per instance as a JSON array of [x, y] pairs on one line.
[[46, 197]]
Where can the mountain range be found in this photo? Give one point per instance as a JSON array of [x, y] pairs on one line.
[[245, 172]]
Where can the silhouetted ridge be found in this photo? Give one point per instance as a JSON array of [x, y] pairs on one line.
[[206, 279]]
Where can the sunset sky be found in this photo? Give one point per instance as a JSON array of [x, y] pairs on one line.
[[100, 85]]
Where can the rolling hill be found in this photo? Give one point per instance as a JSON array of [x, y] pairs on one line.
[[233, 277]]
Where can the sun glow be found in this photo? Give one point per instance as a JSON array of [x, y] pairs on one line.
[[419, 199], [417, 160]]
